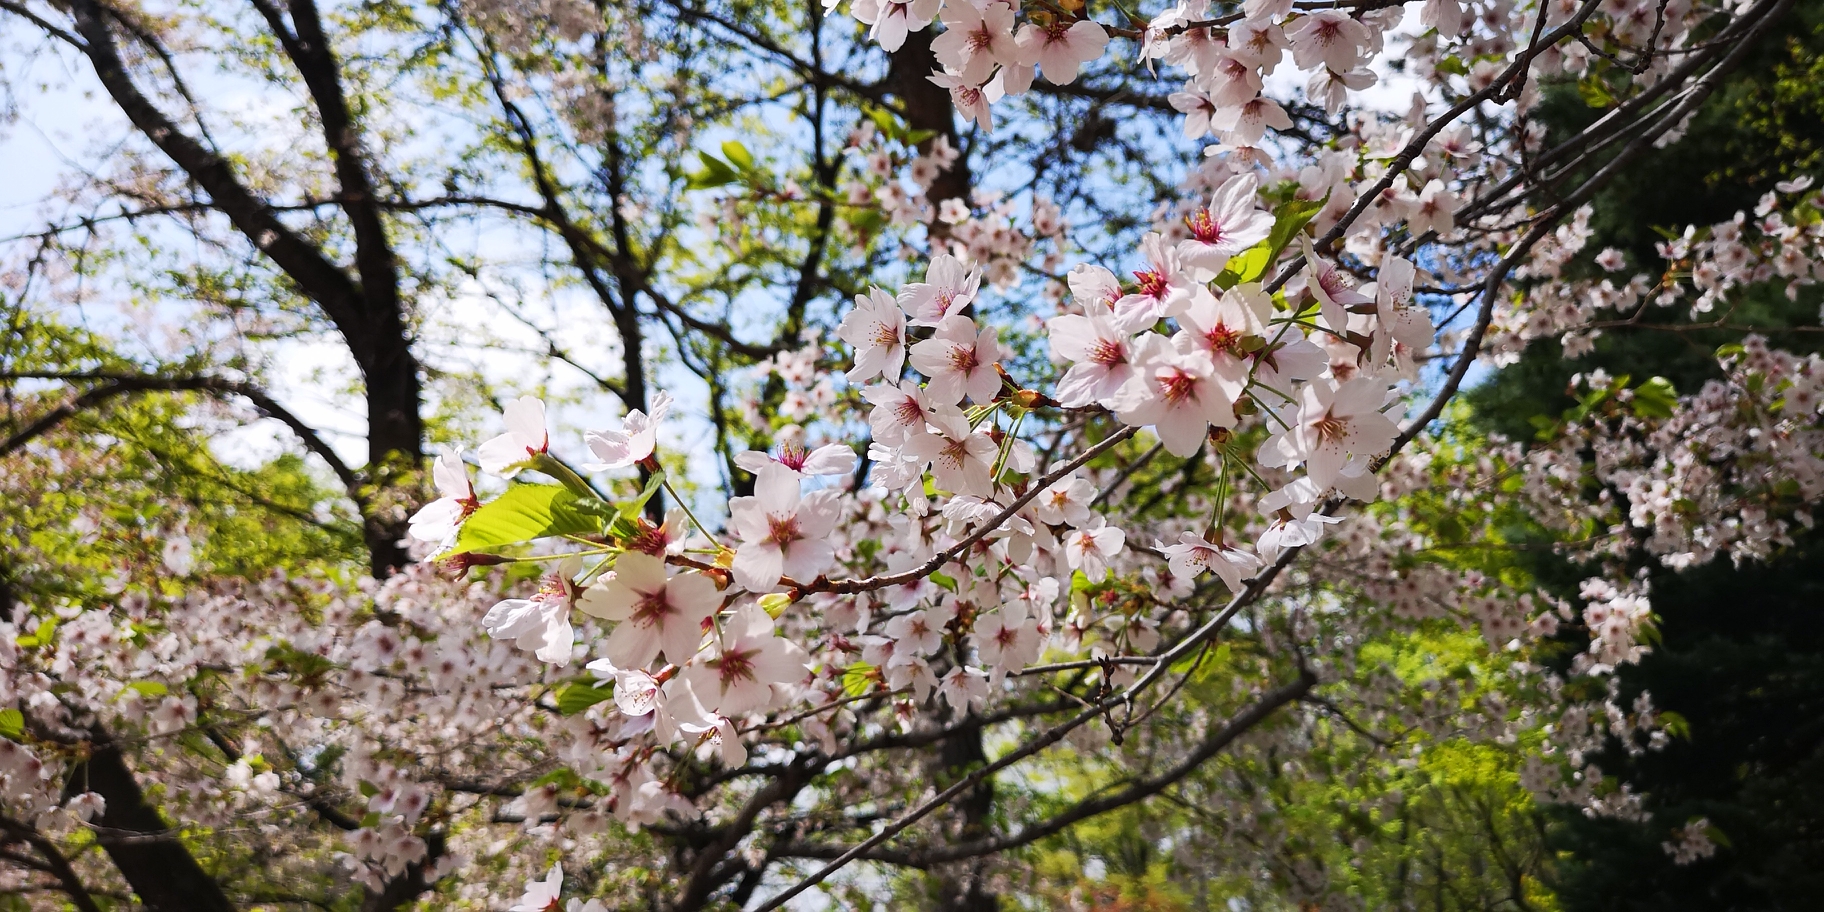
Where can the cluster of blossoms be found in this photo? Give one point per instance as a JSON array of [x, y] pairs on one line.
[[1705, 270], [987, 537], [1194, 351], [378, 695]]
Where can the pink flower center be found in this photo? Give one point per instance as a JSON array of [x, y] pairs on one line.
[[783, 530], [981, 39], [1204, 227], [954, 452], [1108, 353], [1332, 281], [793, 457], [963, 359], [552, 589], [1330, 428], [1177, 386], [735, 665], [650, 539], [1152, 284], [652, 609], [1224, 339], [886, 335], [908, 412]]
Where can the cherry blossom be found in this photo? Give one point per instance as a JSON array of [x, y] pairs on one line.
[[1334, 290], [747, 663], [438, 520], [540, 624], [877, 330], [972, 100], [947, 289], [542, 895], [1193, 554], [964, 687], [782, 530], [654, 610], [1338, 422], [892, 20], [1327, 37], [829, 459], [1103, 355], [976, 40], [1061, 48], [1068, 500], [1165, 288], [959, 361], [961, 458], [524, 440], [632, 443], [1178, 394], [1220, 328], [1247, 123], [900, 413], [1090, 547], [1232, 223]]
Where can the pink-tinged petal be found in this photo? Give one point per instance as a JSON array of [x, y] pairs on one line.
[[640, 572], [694, 595], [680, 639], [436, 520], [780, 662], [502, 455], [747, 518], [632, 644], [757, 567], [818, 513], [1181, 434], [806, 558], [451, 476], [777, 489], [525, 419], [830, 459], [609, 600]]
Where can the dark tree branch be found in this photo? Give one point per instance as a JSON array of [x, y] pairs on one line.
[[111, 385]]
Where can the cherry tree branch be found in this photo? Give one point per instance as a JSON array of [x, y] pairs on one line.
[[111, 385]]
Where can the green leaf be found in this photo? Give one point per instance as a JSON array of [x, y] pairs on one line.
[[738, 155], [1453, 65], [943, 581], [145, 689], [526, 512], [12, 724], [43, 635], [858, 679], [1289, 220], [1594, 92], [632, 508], [1675, 725], [576, 696], [888, 124], [1246, 266], [563, 777], [1655, 398], [715, 173], [367, 789]]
